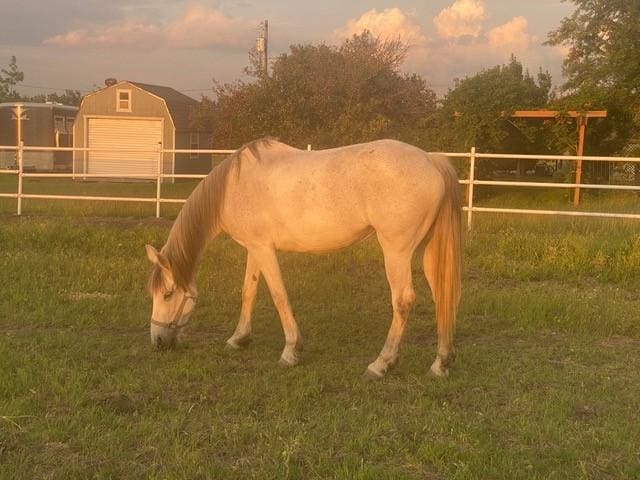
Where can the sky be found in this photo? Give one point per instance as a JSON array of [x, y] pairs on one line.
[[71, 44]]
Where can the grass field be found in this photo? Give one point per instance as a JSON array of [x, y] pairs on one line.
[[545, 384]]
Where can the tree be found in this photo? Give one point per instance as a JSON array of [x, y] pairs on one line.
[[603, 37], [69, 97], [602, 69], [9, 78], [472, 112], [326, 96], [475, 113]]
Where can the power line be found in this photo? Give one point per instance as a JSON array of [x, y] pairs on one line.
[[86, 90], [196, 90], [40, 87]]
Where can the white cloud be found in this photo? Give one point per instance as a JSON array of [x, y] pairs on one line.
[[389, 24], [200, 27], [466, 43], [203, 27], [462, 18], [511, 35], [129, 33]]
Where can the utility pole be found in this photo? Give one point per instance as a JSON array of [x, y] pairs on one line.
[[265, 54], [262, 47]]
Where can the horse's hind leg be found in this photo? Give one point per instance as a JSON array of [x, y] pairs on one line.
[[398, 269], [242, 335]]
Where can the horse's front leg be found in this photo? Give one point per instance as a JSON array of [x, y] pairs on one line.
[[242, 335], [268, 262]]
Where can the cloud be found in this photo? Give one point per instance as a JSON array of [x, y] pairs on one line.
[[511, 35], [127, 34], [389, 24], [199, 27], [464, 17]]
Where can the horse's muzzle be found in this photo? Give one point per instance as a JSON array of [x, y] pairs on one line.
[[163, 338]]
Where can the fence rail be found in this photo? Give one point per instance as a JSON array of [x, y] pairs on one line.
[[471, 182]]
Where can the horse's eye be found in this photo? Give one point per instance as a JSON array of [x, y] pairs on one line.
[[167, 294]]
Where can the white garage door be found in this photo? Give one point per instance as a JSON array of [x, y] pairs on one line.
[[123, 146]]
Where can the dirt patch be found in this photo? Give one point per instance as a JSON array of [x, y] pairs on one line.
[[585, 412], [75, 296], [90, 296], [617, 341], [124, 222], [119, 403], [115, 222]]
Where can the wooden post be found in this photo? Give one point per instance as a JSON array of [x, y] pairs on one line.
[[581, 118], [582, 124]]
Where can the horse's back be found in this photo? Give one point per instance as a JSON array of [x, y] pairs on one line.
[[326, 199]]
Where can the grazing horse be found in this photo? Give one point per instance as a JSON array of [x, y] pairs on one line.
[[269, 196]]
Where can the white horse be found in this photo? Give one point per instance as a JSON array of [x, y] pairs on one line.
[[269, 196]]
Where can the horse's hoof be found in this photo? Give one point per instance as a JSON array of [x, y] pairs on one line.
[[287, 363], [439, 371], [371, 375], [233, 345]]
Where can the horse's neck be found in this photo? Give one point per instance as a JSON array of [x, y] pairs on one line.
[[195, 227]]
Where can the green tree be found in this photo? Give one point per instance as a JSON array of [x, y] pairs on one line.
[[602, 69], [476, 111], [69, 97], [326, 96], [9, 78], [603, 37], [604, 136]]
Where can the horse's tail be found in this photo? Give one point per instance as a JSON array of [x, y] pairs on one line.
[[443, 258]]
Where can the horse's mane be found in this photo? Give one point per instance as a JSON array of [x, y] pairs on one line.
[[199, 218]]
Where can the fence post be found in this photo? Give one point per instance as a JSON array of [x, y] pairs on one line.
[[158, 178], [472, 176], [20, 171]]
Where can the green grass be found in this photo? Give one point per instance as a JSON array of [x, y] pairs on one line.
[[181, 188], [545, 384], [484, 196], [557, 199]]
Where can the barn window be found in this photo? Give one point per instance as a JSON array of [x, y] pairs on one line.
[[70, 121], [58, 124], [124, 101], [194, 144]]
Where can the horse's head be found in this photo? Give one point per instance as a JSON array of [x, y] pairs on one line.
[[172, 304]]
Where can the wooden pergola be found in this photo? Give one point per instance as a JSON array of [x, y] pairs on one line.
[[582, 119]]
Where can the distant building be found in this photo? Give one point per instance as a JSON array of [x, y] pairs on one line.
[[42, 125], [127, 123]]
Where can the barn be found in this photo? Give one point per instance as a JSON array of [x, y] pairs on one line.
[[125, 125], [37, 125]]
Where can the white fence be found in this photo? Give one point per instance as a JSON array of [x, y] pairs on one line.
[[471, 181]]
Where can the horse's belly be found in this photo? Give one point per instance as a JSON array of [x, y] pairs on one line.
[[314, 238]]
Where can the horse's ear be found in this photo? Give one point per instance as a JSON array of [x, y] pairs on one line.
[[155, 256], [152, 253]]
